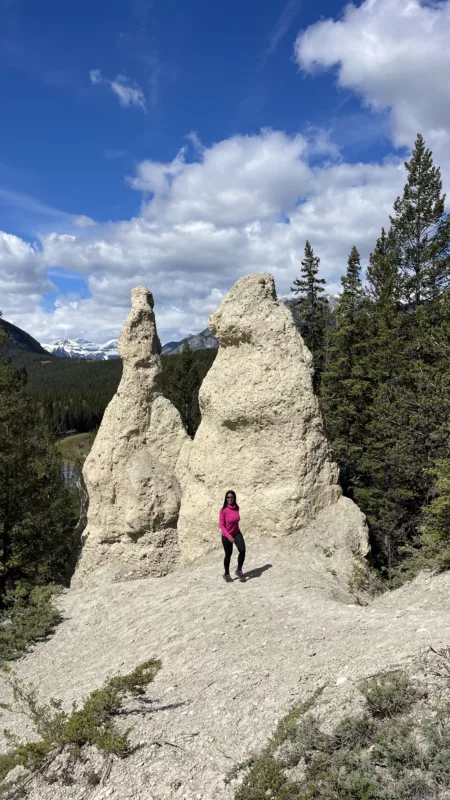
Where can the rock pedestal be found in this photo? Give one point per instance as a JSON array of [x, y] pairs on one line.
[[261, 432], [134, 495]]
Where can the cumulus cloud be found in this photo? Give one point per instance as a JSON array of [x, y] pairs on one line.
[[129, 92], [395, 55], [236, 181], [247, 204]]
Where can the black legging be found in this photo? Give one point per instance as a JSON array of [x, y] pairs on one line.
[[228, 547]]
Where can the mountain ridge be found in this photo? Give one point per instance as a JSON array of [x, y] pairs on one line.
[[83, 349], [22, 343]]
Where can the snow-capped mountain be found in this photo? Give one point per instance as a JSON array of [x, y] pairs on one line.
[[81, 348]]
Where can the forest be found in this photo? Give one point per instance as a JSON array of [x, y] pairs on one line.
[[73, 394], [381, 371]]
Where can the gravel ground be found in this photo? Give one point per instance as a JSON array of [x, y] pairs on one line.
[[235, 658]]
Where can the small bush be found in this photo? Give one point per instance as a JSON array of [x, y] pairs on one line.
[[352, 733], [30, 620], [388, 695], [308, 736], [93, 724], [395, 746], [364, 579], [345, 776], [266, 779], [287, 728], [381, 755], [437, 738], [414, 787]]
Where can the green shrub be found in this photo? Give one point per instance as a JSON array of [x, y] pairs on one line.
[[389, 694], [414, 787], [287, 728], [352, 733], [266, 779], [29, 620], [308, 736], [346, 776], [437, 738], [395, 746], [93, 724], [387, 755]]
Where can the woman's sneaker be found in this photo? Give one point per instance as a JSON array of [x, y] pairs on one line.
[[227, 578], [240, 575]]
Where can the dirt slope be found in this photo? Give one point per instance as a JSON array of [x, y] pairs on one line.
[[235, 658]]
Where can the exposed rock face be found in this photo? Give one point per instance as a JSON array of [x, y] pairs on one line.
[[335, 542], [134, 496], [261, 432]]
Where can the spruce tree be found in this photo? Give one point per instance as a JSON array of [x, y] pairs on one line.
[[36, 515], [385, 441], [345, 388], [408, 365], [383, 278], [185, 384], [432, 548], [312, 310], [419, 396], [421, 229]]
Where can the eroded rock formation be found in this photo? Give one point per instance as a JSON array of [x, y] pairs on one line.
[[261, 432], [134, 496]]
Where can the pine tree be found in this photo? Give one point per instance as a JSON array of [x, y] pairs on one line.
[[421, 229], [345, 388], [312, 310], [184, 389], [383, 276], [385, 441], [408, 365], [36, 515], [433, 544]]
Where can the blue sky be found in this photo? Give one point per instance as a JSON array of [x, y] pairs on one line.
[[163, 142]]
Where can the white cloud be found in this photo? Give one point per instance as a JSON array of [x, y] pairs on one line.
[[129, 92], [237, 181], [156, 177], [395, 55], [82, 221], [96, 76], [206, 224]]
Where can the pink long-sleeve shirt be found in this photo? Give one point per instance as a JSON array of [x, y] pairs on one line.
[[229, 521]]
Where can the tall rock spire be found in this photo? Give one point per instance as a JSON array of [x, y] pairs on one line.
[[134, 496], [261, 431]]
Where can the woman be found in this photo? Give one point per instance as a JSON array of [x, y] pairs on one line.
[[229, 525]]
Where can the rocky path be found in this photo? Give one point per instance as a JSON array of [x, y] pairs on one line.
[[235, 658]]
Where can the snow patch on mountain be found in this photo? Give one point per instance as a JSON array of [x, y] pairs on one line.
[[82, 348]]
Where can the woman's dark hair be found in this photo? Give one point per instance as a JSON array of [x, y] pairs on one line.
[[225, 503]]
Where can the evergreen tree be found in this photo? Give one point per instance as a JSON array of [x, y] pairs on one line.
[[345, 388], [383, 276], [312, 310], [408, 365], [36, 515], [184, 389], [421, 229], [433, 544], [385, 443]]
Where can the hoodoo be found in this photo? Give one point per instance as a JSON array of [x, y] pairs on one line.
[[134, 496], [261, 431]]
